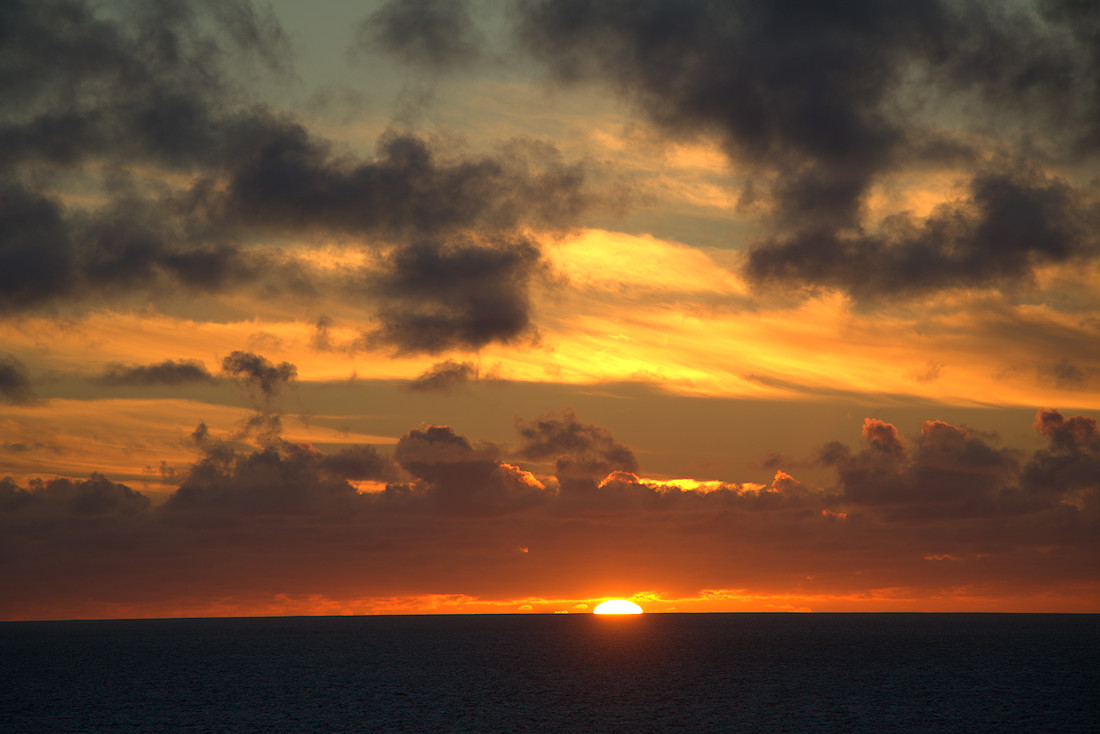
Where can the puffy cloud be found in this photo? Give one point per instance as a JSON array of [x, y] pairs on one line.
[[154, 93], [445, 376], [281, 478], [822, 102], [168, 372], [1077, 433], [408, 191], [458, 477], [462, 295], [948, 473], [1069, 468], [253, 522], [93, 497], [579, 450], [15, 382], [1014, 220], [257, 372]]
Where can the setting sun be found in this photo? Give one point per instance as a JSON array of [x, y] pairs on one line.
[[617, 606]]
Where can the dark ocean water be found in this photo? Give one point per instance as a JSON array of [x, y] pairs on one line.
[[556, 673]]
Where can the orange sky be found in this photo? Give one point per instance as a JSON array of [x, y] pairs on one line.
[[327, 313]]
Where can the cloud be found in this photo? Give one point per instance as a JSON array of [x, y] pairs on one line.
[[820, 103], [279, 478], [252, 522], [438, 33], [166, 179], [88, 498], [456, 477], [582, 453], [947, 473], [15, 382], [446, 376], [289, 179], [255, 371], [263, 384], [168, 372], [463, 295], [1014, 220], [1069, 468]]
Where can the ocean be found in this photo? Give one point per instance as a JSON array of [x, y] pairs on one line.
[[556, 673]]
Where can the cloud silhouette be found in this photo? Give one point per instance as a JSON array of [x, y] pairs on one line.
[[821, 102], [15, 381], [454, 519], [438, 33], [446, 376], [168, 372], [159, 94]]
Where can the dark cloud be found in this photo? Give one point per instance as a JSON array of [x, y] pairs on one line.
[[255, 371], [465, 294], [1069, 468], [280, 478], [825, 100], [285, 518], [293, 180], [438, 33], [264, 384], [1013, 220], [15, 381], [148, 88], [168, 372], [445, 376], [582, 453], [120, 104], [948, 473], [458, 477], [93, 497]]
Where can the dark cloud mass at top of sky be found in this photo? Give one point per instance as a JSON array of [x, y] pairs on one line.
[[826, 99], [102, 95]]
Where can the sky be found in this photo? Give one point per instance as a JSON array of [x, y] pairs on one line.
[[519, 305]]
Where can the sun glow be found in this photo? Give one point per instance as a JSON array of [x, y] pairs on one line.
[[617, 606]]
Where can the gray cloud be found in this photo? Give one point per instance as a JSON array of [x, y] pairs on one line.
[[438, 33], [15, 381], [284, 518], [440, 296], [168, 372], [824, 100], [280, 478], [457, 477], [582, 453], [161, 90], [255, 371], [1014, 220], [950, 473], [446, 376], [89, 498]]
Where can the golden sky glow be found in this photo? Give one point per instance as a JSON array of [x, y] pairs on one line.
[[509, 321]]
